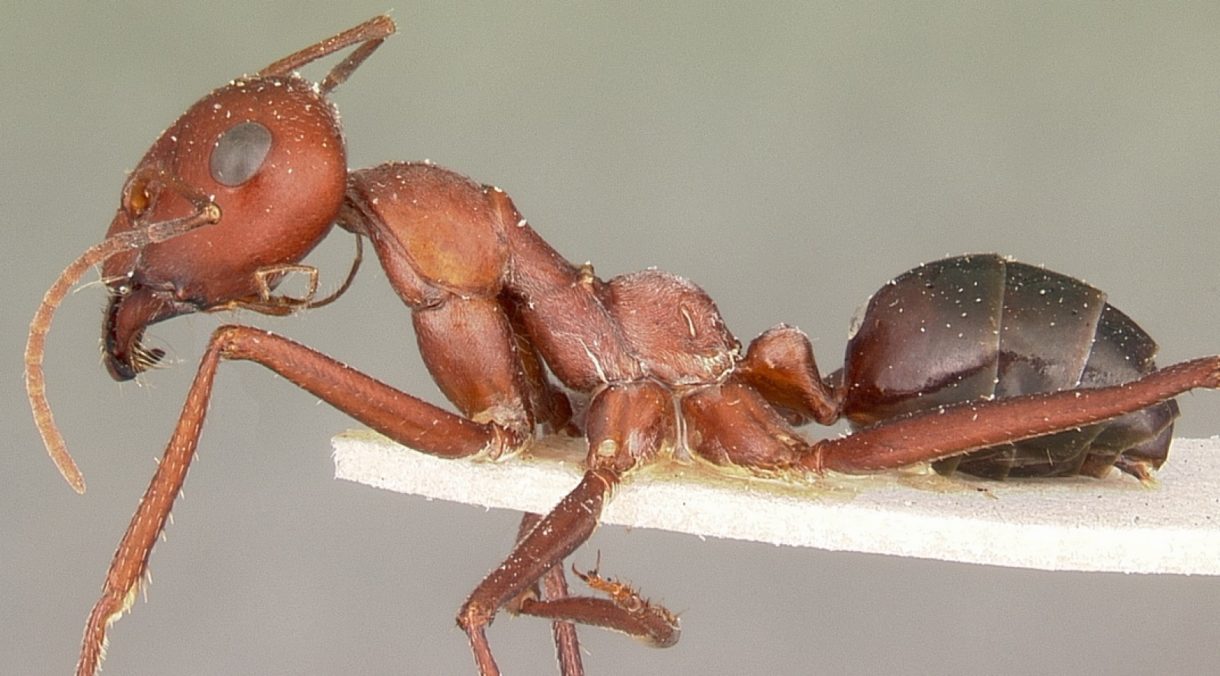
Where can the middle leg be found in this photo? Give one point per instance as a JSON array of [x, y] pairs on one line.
[[628, 424]]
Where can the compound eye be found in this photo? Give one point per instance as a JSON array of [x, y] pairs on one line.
[[239, 153]]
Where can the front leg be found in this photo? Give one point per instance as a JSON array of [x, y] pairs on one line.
[[398, 415], [468, 346]]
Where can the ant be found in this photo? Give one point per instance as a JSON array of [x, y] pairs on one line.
[[975, 364]]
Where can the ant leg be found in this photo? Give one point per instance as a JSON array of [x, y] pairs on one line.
[[405, 418], [960, 428], [551, 406], [554, 587], [732, 424], [627, 424], [557, 535], [625, 611]]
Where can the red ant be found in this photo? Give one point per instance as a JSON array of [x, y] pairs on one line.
[[975, 364]]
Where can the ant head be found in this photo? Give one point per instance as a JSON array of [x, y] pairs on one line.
[[267, 150]]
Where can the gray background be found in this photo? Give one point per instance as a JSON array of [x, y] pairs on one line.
[[788, 157]]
